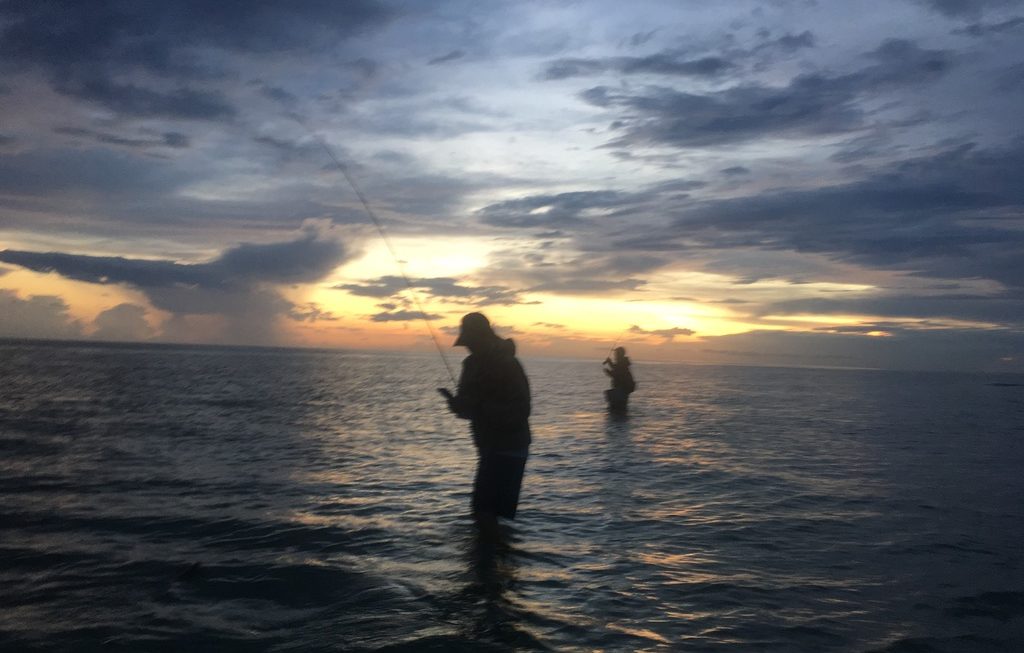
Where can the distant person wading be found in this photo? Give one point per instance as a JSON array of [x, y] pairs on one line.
[[494, 395], [623, 384]]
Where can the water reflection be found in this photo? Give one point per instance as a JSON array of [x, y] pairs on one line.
[[484, 608], [735, 508], [617, 424]]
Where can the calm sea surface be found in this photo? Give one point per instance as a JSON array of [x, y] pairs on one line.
[[204, 499]]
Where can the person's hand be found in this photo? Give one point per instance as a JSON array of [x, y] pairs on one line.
[[449, 397]]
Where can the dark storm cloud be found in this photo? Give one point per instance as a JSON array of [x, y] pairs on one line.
[[110, 269], [303, 260], [811, 104], [935, 216], [140, 102], [551, 211], [947, 215], [447, 288], [186, 219], [167, 139], [307, 259], [62, 34], [239, 285], [136, 183], [964, 8], [87, 47], [45, 173]]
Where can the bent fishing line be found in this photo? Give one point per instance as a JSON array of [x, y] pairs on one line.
[[383, 235]]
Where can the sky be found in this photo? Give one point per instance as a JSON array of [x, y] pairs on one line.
[[772, 182]]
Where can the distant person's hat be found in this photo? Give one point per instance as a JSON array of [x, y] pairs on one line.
[[474, 325]]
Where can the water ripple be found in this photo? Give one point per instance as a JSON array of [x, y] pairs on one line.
[[157, 498]]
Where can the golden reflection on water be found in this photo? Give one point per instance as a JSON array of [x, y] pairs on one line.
[[638, 632], [673, 560]]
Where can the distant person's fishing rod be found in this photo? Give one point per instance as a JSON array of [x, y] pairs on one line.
[[383, 235], [617, 340]]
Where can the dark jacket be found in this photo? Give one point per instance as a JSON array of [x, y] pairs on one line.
[[494, 395], [622, 377]]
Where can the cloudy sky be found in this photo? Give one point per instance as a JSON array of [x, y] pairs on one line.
[[767, 182]]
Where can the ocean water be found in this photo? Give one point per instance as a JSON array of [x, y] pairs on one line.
[[218, 499]]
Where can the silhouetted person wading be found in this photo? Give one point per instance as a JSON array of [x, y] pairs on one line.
[[622, 381], [494, 395]]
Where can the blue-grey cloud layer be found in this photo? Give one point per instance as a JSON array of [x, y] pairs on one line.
[[92, 50], [303, 260], [758, 140], [811, 104]]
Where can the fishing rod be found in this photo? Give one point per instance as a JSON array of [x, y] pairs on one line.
[[383, 235], [617, 339]]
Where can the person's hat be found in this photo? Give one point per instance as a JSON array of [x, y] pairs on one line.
[[474, 325]]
